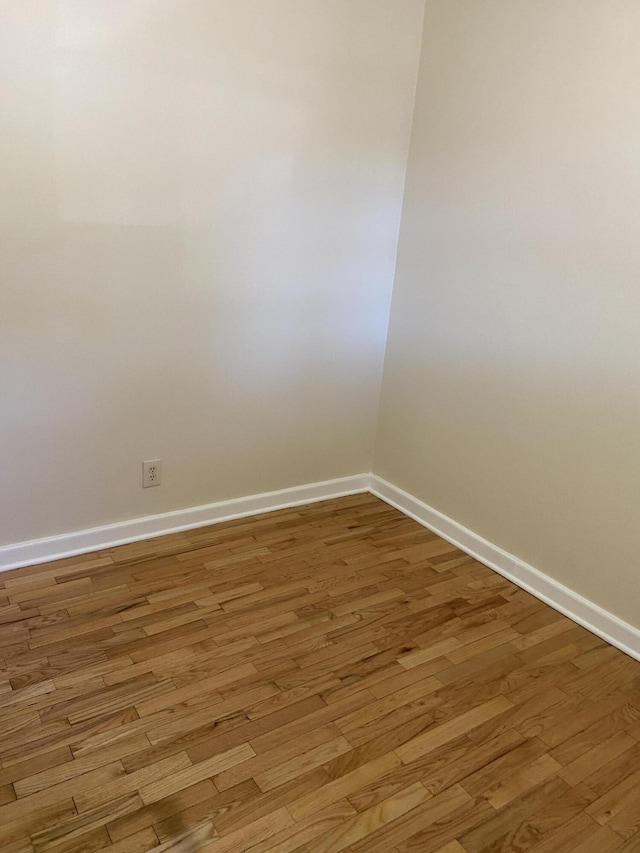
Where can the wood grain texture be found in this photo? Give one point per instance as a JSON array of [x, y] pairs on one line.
[[325, 678]]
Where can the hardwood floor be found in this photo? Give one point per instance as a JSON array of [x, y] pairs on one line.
[[329, 678]]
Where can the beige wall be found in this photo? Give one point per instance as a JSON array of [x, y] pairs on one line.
[[511, 395], [199, 207]]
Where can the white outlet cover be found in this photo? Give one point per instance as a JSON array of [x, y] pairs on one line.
[[151, 473]]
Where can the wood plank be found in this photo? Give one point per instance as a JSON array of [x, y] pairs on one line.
[[466, 721], [180, 779]]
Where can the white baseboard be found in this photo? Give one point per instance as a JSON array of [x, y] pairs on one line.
[[121, 533], [620, 634], [612, 629]]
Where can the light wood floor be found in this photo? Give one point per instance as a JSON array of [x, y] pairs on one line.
[[329, 678]]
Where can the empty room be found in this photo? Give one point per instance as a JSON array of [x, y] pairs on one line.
[[319, 426]]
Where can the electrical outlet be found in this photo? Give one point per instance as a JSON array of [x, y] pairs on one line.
[[151, 473]]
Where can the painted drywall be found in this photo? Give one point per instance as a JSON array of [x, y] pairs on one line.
[[199, 209], [511, 392]]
